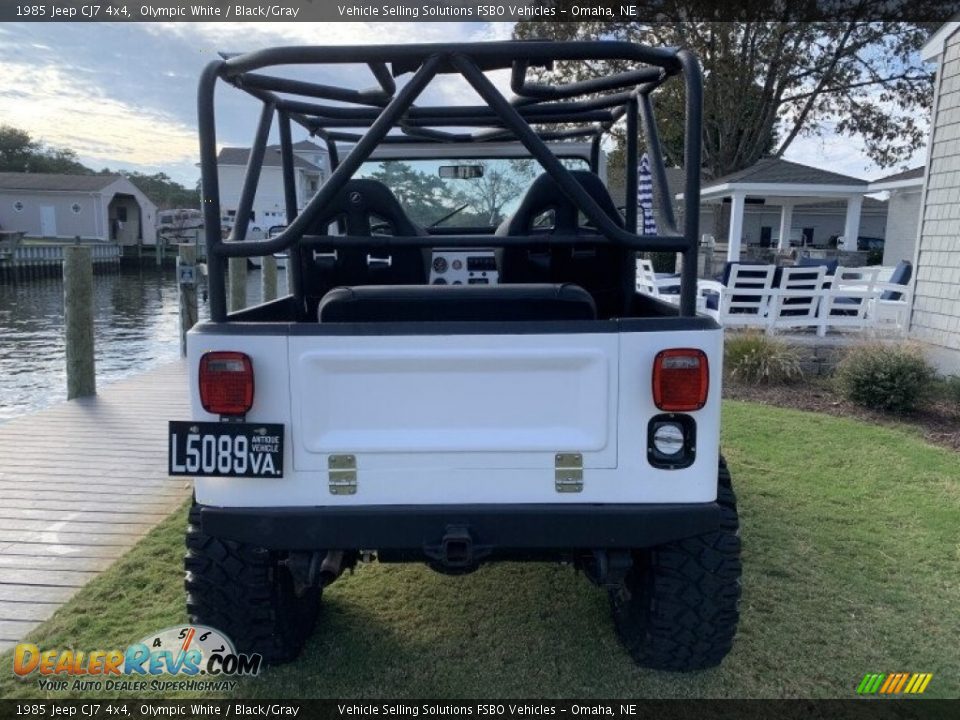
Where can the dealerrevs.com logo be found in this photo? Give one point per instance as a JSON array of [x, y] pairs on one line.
[[184, 652]]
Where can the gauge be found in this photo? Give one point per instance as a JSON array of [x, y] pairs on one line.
[[440, 264], [182, 638]]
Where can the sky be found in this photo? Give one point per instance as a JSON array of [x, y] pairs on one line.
[[123, 95]]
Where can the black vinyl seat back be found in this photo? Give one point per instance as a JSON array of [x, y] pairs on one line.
[[448, 303], [596, 267], [365, 208]]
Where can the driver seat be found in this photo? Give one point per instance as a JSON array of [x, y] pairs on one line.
[[358, 208]]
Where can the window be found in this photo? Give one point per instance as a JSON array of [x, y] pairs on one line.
[[482, 201]]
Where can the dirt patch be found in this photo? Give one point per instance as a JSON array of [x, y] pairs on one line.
[[938, 421]]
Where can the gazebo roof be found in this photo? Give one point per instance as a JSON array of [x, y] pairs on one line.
[[783, 172], [774, 177]]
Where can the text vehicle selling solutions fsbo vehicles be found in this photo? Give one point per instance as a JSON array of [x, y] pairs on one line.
[[463, 371]]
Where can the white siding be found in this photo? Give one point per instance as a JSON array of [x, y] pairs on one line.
[[936, 306], [69, 224], [268, 203]]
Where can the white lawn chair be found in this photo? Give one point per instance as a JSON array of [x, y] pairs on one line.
[[649, 284], [796, 302], [845, 303], [647, 278], [706, 288], [746, 298], [889, 310]]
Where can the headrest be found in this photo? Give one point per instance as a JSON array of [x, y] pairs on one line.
[[357, 201], [545, 194]]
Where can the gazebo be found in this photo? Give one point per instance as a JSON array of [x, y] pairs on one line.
[[785, 184]]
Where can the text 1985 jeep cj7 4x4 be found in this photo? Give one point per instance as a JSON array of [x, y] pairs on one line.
[[463, 370]]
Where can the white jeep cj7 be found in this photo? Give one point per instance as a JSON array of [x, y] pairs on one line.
[[463, 371]]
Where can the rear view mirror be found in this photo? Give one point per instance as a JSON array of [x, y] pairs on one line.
[[461, 172]]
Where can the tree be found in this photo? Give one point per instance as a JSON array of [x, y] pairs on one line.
[[768, 83], [19, 152], [424, 197], [501, 182]]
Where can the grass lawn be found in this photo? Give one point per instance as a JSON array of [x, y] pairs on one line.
[[851, 537]]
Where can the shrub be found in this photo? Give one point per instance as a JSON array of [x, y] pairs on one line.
[[951, 389], [893, 378], [753, 357]]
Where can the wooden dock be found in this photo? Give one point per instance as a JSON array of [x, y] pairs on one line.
[[80, 483]]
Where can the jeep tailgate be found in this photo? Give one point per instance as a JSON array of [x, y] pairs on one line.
[[456, 401]]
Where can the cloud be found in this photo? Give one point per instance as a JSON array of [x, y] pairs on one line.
[[50, 103], [123, 95]]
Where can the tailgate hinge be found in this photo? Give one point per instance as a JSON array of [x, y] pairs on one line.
[[343, 474], [568, 474]]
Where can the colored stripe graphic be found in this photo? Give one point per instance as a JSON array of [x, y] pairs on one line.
[[870, 683], [894, 683]]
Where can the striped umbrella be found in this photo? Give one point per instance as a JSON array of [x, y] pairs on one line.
[[647, 224]]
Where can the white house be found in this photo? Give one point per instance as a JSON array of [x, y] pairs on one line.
[[97, 207], [935, 319], [311, 167]]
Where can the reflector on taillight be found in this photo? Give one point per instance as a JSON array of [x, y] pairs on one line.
[[226, 383], [680, 380]]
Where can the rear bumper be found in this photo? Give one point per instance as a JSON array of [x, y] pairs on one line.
[[419, 529]]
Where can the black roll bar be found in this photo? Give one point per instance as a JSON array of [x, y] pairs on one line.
[[539, 112]]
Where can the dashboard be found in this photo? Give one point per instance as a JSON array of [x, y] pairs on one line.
[[464, 267]]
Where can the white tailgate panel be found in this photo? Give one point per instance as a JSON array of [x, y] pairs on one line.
[[459, 395]]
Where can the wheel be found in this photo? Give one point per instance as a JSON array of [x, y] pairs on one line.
[[678, 607], [248, 594]]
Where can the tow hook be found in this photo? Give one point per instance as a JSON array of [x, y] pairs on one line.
[[457, 552]]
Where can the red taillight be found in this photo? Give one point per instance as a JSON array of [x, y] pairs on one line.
[[680, 380], [226, 383]]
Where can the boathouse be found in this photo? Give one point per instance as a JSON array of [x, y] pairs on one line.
[[93, 207]]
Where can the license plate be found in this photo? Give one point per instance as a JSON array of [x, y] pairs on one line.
[[211, 449]]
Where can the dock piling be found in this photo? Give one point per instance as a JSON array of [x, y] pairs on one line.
[[78, 316], [187, 282], [237, 271], [268, 278]]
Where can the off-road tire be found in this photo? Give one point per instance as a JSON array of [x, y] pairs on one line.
[[679, 605], [248, 594]]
